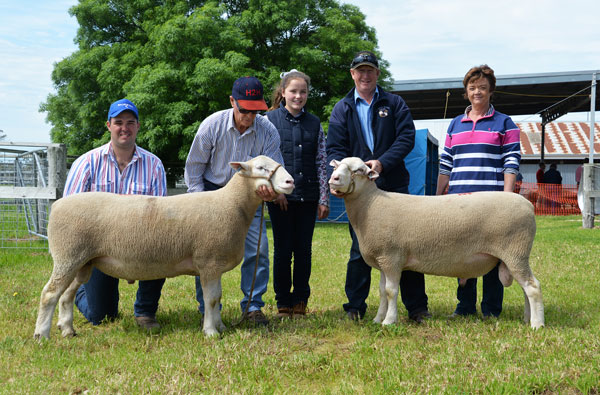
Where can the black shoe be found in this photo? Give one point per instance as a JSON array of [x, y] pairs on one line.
[[353, 315], [420, 316], [456, 315]]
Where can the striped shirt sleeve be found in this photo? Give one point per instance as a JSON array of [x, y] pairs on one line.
[[78, 179], [511, 147]]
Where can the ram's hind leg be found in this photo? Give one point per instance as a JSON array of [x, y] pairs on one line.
[[54, 288], [534, 305], [65, 303]]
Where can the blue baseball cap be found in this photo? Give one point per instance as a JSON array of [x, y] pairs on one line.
[[248, 91], [122, 105]]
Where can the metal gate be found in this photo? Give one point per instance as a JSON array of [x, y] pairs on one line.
[[30, 180]]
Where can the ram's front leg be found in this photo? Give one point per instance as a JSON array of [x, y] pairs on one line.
[[392, 284], [212, 306], [383, 300]]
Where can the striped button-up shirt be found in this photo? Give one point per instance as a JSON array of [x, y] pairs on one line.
[[218, 142], [98, 171]]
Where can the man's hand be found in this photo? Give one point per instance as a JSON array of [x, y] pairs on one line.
[[281, 201], [374, 164], [266, 193]]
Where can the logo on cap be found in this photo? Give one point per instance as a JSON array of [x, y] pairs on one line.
[[248, 92]]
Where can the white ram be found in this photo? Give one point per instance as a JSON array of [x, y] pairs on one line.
[[462, 235], [137, 237]]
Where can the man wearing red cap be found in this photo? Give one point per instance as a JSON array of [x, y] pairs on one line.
[[237, 134]]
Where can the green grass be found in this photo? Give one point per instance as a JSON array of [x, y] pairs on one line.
[[322, 353]]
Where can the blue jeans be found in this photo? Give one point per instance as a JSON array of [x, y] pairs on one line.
[[262, 272], [292, 237], [493, 294], [358, 282], [99, 297]]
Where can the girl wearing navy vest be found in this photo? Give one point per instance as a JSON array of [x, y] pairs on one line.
[[293, 216]]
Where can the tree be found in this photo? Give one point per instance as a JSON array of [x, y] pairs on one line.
[[177, 60]]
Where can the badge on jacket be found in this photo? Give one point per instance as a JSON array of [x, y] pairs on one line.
[[383, 111]]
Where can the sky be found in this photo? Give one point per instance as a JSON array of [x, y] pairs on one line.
[[420, 39]]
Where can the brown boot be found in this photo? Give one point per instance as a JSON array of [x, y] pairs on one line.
[[299, 310], [284, 312]]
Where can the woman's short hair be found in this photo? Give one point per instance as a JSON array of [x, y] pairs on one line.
[[477, 72]]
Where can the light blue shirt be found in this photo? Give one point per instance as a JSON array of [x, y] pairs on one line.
[[364, 111]]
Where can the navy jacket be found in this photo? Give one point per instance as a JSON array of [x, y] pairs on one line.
[[299, 146], [393, 135]]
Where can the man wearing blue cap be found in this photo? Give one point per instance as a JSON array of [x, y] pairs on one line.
[[124, 168], [237, 134]]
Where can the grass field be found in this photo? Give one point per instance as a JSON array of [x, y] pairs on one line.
[[322, 353]]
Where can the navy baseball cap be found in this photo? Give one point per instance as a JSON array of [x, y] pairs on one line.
[[248, 92], [122, 105], [365, 58]]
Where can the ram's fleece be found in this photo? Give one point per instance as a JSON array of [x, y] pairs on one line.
[[461, 235], [137, 237]]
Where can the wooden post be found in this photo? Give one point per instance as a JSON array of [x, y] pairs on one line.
[[589, 209], [57, 169]]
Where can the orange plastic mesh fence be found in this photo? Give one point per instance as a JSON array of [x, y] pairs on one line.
[[550, 199]]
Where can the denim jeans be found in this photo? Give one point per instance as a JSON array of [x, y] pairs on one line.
[[262, 272], [493, 294], [358, 282], [99, 297], [292, 238]]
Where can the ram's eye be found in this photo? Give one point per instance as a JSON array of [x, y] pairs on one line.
[[260, 167]]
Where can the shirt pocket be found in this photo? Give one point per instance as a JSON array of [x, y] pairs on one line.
[[103, 186], [139, 189]]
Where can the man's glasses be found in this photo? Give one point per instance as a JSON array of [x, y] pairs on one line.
[[364, 57], [244, 111]]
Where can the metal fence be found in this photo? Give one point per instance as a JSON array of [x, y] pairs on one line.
[[29, 183]]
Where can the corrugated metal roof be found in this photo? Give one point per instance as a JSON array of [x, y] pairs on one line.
[[517, 94], [564, 140]]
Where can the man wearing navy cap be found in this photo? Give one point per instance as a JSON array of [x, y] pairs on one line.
[[124, 168], [377, 127], [237, 134]]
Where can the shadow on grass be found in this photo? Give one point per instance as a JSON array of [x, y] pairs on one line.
[[328, 321]]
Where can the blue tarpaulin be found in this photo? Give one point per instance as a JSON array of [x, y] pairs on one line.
[[422, 164]]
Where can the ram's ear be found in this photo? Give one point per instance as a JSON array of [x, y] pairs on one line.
[[372, 174], [334, 163], [239, 166]]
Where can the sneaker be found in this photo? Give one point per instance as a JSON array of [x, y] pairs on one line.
[[420, 316], [299, 310], [284, 312], [148, 323], [257, 317]]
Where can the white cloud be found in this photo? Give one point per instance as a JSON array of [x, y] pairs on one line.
[[440, 38], [32, 39]]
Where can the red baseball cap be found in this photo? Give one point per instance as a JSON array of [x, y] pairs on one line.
[[248, 92]]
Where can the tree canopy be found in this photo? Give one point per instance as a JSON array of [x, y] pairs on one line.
[[177, 60]]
